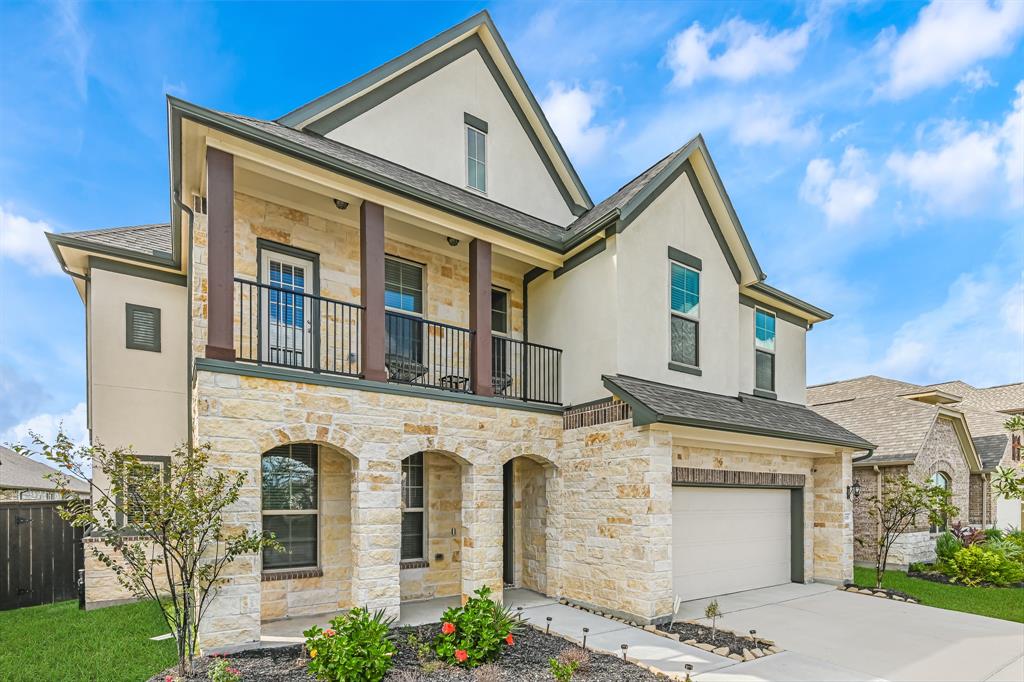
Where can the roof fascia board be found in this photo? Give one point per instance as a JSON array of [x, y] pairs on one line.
[[215, 121], [435, 63], [59, 240], [809, 309], [315, 114], [643, 415], [681, 165], [749, 302]]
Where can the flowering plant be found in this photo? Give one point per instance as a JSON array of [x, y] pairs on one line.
[[357, 646], [473, 634], [223, 671]]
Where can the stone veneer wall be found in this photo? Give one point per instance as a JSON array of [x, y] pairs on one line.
[[446, 286], [530, 524], [616, 535], [942, 452], [331, 591], [242, 417], [442, 577], [828, 525]]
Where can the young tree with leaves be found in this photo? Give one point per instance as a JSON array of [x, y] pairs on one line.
[[898, 507], [162, 529], [1009, 481]]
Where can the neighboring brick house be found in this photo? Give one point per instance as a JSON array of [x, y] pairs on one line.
[[25, 480], [948, 434], [442, 366]]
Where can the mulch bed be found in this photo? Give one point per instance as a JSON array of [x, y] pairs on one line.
[[702, 633], [527, 660]]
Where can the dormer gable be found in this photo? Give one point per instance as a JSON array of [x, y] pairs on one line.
[[456, 107]]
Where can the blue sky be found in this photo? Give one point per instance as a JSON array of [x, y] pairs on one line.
[[874, 152]]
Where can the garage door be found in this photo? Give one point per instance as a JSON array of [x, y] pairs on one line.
[[729, 539]]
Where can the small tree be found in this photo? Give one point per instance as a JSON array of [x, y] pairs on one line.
[[714, 613], [163, 531], [1009, 481], [897, 509]]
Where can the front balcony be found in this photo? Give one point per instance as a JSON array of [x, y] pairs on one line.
[[280, 327]]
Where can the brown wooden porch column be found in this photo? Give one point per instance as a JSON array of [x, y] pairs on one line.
[[371, 280], [480, 315], [220, 170]]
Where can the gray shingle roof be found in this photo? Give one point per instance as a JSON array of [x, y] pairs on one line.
[[20, 472], [898, 426], [861, 387], [470, 201], [1005, 398], [743, 414], [148, 240], [990, 438]]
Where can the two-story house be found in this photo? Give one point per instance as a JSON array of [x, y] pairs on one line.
[[442, 366]]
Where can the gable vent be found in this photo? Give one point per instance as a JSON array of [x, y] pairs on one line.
[[142, 327]]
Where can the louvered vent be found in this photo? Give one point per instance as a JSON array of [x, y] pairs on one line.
[[199, 204], [142, 325]]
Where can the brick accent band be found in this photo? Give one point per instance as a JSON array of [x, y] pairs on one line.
[[752, 479], [270, 576]]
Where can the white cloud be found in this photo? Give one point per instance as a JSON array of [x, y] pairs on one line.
[[844, 193], [844, 131], [977, 79], [46, 426], [947, 39], [968, 164], [571, 113], [22, 241], [736, 51], [976, 333], [73, 41]]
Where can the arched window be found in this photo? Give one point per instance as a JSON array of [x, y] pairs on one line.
[[941, 480], [290, 505]]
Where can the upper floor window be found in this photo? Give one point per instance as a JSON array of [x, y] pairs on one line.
[[685, 313], [764, 350], [290, 505], [403, 285], [499, 311], [476, 158]]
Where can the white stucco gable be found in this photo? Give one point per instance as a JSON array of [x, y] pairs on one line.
[[414, 111]]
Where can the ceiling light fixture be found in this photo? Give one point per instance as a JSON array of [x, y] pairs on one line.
[[452, 241], [342, 205]]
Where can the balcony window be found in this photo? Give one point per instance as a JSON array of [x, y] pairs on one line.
[[685, 315], [499, 311], [403, 293]]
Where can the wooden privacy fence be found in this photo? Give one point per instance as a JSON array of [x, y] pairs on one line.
[[40, 555]]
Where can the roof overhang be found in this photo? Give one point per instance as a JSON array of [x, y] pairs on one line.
[[933, 397], [769, 295], [963, 434], [74, 258]]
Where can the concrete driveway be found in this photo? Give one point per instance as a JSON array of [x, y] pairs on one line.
[[834, 635]]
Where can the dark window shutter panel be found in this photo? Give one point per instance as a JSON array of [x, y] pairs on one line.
[[142, 327]]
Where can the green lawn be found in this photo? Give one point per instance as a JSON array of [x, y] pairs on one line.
[[997, 602], [59, 642]]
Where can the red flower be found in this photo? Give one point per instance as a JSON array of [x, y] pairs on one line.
[[168, 678], [447, 628], [461, 655], [329, 632], [509, 640]]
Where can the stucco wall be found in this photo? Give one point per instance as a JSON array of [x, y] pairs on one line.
[[423, 128]]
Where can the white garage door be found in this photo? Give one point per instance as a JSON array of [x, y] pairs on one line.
[[728, 540]]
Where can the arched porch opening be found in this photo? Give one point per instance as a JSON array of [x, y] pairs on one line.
[[525, 522]]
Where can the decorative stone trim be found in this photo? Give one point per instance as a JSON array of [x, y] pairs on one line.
[[765, 647], [760, 479], [883, 593], [270, 576], [422, 563]]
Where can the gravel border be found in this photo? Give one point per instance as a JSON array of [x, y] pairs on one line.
[[527, 660], [723, 642], [884, 592]]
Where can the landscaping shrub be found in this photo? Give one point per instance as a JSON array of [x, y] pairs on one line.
[[976, 564], [946, 545], [562, 672], [357, 646], [992, 534], [223, 671], [966, 535], [474, 634]]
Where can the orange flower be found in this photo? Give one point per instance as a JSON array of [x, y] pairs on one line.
[[329, 632], [509, 640], [447, 628], [461, 655]]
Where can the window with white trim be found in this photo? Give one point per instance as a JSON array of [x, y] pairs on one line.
[[942, 481], [413, 507], [291, 505], [685, 314], [764, 350], [476, 158]]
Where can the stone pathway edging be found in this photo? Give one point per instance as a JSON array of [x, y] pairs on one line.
[[880, 593]]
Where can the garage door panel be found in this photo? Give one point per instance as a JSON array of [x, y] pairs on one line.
[[729, 539]]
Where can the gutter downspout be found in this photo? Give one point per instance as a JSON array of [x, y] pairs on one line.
[[176, 197], [878, 486]]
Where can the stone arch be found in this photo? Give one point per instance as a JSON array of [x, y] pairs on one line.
[[327, 585], [529, 537]]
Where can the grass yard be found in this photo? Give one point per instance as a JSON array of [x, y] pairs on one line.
[[59, 642], [997, 602]]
